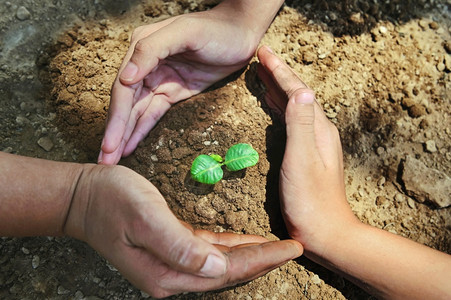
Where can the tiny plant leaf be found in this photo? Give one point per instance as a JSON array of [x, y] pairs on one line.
[[206, 169], [240, 156], [216, 157]]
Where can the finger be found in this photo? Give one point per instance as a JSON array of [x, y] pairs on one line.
[[113, 157], [245, 263], [149, 51], [301, 139], [328, 141], [137, 116], [167, 87], [138, 109], [228, 239], [149, 118], [275, 97], [283, 80], [121, 104], [282, 75], [300, 112]]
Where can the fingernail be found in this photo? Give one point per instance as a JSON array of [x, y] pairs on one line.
[[305, 98], [129, 71], [100, 158], [214, 266], [269, 50]]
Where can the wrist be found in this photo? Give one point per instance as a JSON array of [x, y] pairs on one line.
[[331, 245], [252, 15], [74, 224], [338, 232]]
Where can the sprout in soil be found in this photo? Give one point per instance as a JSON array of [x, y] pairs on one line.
[[208, 168]]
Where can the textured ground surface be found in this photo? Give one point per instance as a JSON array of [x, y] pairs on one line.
[[381, 72]]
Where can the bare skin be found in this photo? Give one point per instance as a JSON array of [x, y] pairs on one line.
[[174, 59], [123, 216], [316, 210]]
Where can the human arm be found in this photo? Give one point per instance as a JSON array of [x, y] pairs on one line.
[[174, 59], [316, 211], [123, 216]]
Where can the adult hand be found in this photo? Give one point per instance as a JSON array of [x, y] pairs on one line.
[[124, 217], [312, 189], [174, 59]]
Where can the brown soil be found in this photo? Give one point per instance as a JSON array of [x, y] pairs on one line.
[[381, 72]]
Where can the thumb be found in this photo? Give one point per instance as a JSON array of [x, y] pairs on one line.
[[194, 255], [176, 244], [146, 53], [300, 125]]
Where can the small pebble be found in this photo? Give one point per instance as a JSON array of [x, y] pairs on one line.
[[383, 29], [308, 57], [447, 63], [316, 279], [333, 16], [431, 147], [381, 200], [45, 143], [25, 250], [433, 25], [356, 18], [411, 203], [78, 295], [62, 290], [23, 13], [417, 111], [35, 261], [153, 157], [424, 124], [331, 114], [407, 102], [21, 121], [399, 198], [423, 23], [447, 46], [381, 181], [380, 150]]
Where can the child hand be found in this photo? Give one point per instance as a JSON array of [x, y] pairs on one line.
[[312, 189]]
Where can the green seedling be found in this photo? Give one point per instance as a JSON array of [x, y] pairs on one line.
[[208, 168]]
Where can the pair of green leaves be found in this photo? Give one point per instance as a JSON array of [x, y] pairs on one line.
[[208, 168]]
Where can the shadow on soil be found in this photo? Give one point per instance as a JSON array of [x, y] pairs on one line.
[[354, 17]]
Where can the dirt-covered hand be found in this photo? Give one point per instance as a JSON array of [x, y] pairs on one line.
[[312, 188], [168, 62], [124, 217]]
